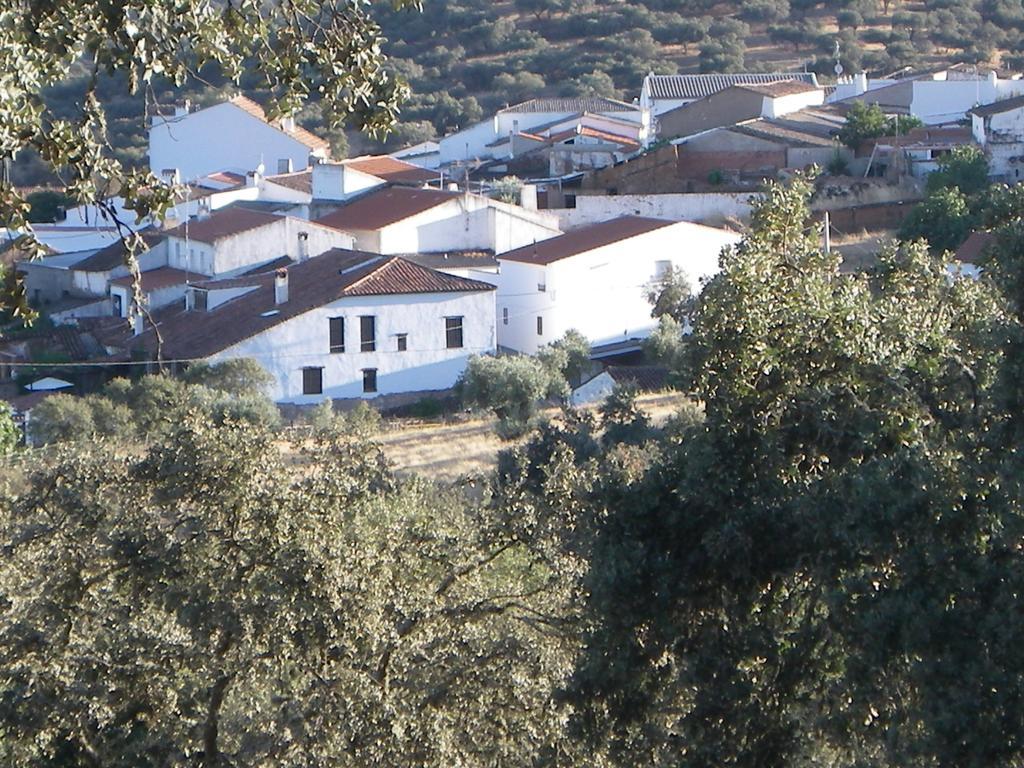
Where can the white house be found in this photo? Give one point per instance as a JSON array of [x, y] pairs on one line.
[[999, 130], [356, 176], [661, 93], [477, 141], [398, 220], [595, 279], [235, 135], [426, 154], [236, 239], [342, 325], [934, 98]]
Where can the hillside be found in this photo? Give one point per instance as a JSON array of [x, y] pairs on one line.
[[466, 58]]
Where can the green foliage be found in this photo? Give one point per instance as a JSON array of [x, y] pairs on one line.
[[60, 418], [944, 219], [838, 165], [965, 168], [508, 189], [165, 608], [868, 121], [623, 420], [510, 386], [45, 205], [565, 359], [10, 434], [238, 376], [672, 295], [361, 422]]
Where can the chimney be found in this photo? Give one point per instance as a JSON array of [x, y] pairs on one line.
[[288, 124], [203, 208], [170, 176], [252, 179], [860, 83], [281, 286], [180, 110], [303, 246], [137, 326], [528, 197]]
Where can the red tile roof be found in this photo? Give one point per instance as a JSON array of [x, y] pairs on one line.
[[155, 279], [300, 181], [223, 223], [381, 208], [623, 141], [312, 284], [974, 246], [392, 170], [298, 133], [584, 239]]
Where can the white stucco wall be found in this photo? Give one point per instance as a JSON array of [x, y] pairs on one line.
[[784, 105], [711, 206], [426, 365], [335, 181], [594, 391], [469, 222], [220, 138], [602, 292], [248, 249]]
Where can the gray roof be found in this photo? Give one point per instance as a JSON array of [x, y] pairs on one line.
[[998, 107], [699, 86], [572, 104]]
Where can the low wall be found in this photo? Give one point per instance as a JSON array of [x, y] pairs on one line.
[[710, 208]]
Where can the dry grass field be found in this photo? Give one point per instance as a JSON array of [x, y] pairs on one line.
[[447, 452]]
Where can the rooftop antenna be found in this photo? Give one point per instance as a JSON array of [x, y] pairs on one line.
[[838, 68]]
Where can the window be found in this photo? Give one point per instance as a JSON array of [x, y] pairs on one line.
[[402, 341], [115, 298], [312, 381], [369, 379], [284, 165], [367, 333], [453, 332], [504, 315], [540, 325], [199, 299], [337, 325], [541, 286]]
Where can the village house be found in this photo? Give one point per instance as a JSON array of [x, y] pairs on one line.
[[595, 279], [345, 324], [944, 96], [915, 153], [999, 130], [397, 220], [486, 140], [758, 149], [662, 93], [235, 135], [737, 104]]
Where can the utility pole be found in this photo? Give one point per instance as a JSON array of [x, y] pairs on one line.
[[826, 233]]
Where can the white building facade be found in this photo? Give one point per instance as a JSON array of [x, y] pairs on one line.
[[999, 130], [596, 278], [231, 136]]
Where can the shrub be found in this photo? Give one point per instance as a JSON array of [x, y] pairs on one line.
[[61, 418], [508, 386]]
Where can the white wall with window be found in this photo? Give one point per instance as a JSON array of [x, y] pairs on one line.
[[600, 292], [373, 345]]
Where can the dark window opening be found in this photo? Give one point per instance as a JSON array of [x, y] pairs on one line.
[[540, 325], [367, 333], [369, 380], [453, 332], [312, 381], [402, 342], [199, 300], [504, 315], [337, 334]]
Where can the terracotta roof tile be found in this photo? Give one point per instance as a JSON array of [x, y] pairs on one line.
[[300, 181], [312, 284], [584, 239], [998, 107], [974, 246], [388, 168], [381, 208], [224, 223]]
